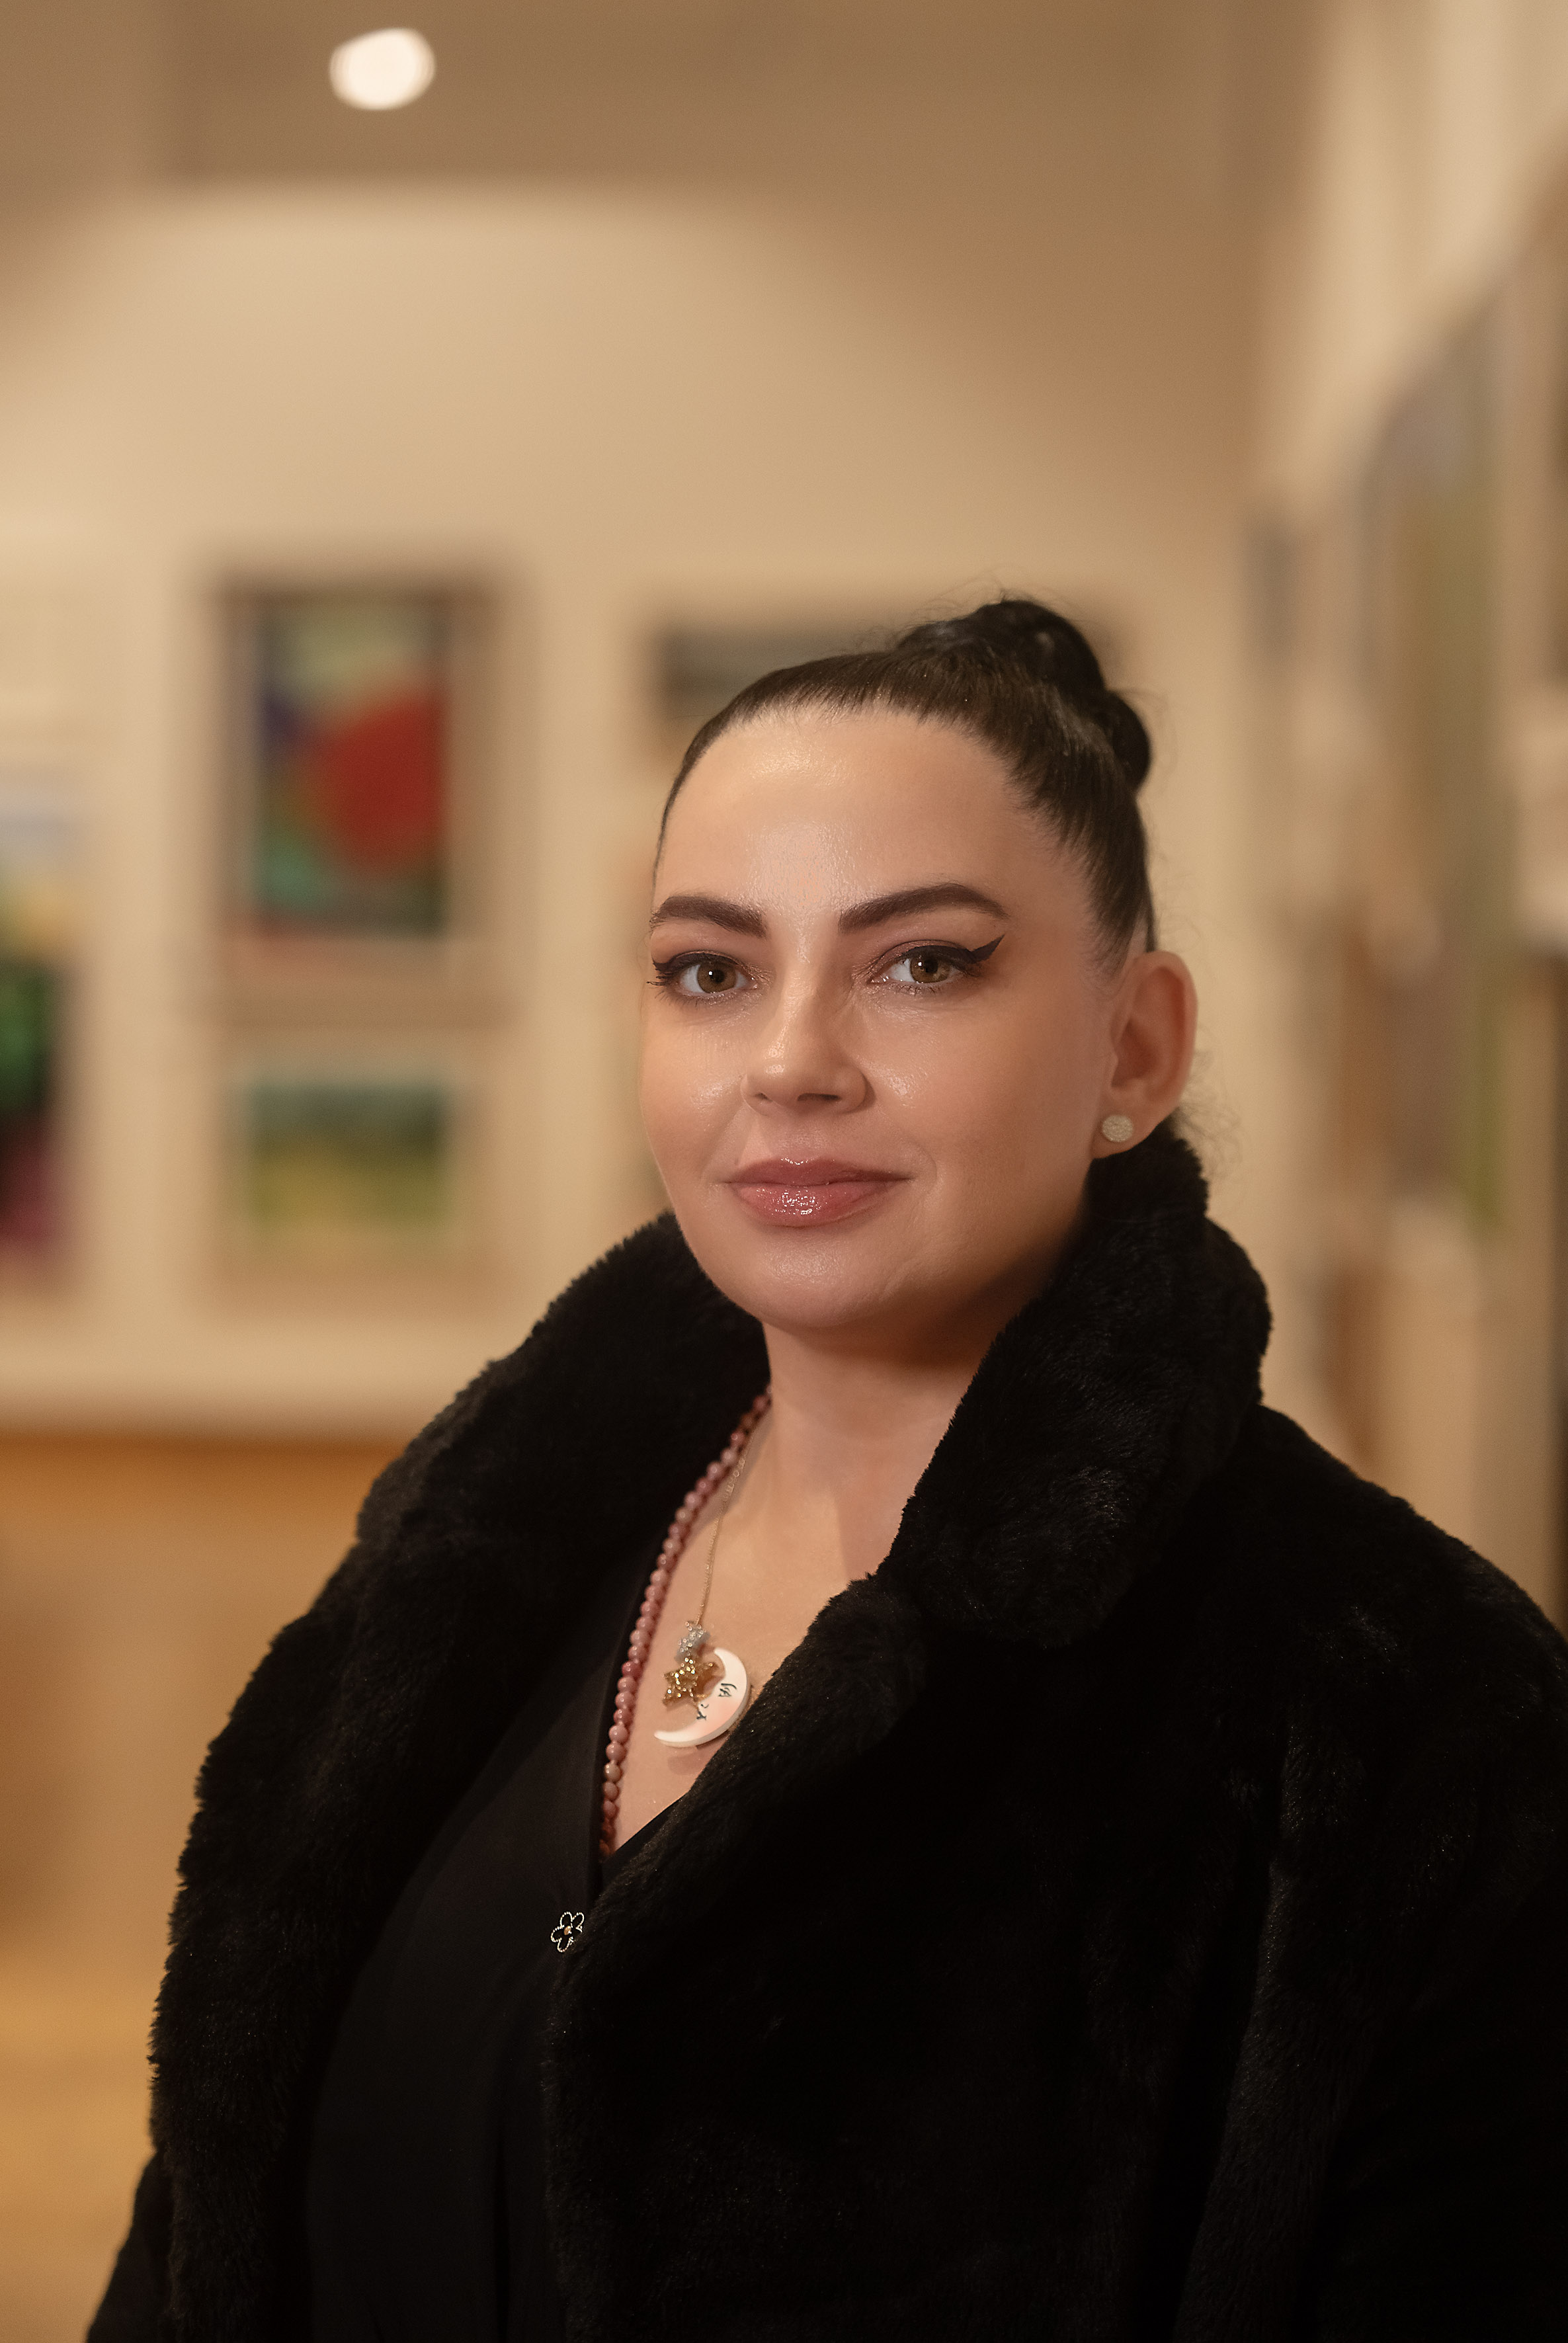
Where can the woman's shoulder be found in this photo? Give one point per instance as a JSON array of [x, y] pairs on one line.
[[1374, 1612], [474, 1550], [1359, 1533], [639, 1359], [1393, 1708]]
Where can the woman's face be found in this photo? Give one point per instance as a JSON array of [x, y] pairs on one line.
[[878, 1037]]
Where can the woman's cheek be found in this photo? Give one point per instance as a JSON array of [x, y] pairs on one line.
[[683, 1087], [960, 1076], [659, 1090], [1016, 1112]]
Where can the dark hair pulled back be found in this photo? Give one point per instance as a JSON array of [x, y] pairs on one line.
[[1023, 680]]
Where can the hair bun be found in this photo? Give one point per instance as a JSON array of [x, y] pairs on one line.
[[1128, 737], [1027, 634], [1023, 683]]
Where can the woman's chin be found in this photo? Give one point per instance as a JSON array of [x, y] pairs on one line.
[[808, 1279]]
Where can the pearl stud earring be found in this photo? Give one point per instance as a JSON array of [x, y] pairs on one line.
[[1118, 1129]]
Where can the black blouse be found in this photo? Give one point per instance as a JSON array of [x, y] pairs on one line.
[[425, 2193]]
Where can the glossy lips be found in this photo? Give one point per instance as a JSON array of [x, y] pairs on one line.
[[813, 1191]]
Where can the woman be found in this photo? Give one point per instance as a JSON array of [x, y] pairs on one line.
[[1133, 1899]]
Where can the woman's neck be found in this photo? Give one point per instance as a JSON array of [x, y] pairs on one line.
[[846, 1440], [856, 1421]]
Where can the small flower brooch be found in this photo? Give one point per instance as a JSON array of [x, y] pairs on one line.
[[567, 1931]]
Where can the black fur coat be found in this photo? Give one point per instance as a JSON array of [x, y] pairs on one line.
[[1145, 1899]]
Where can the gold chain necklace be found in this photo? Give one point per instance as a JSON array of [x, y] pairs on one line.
[[697, 1663], [728, 1697]]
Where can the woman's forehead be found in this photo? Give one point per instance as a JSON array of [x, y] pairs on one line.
[[827, 811], [867, 780]]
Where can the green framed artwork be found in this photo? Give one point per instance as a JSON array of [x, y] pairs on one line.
[[346, 1161]]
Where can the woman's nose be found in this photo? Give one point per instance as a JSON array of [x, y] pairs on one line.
[[803, 1059]]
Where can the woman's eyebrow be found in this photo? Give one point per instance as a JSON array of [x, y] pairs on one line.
[[741, 918], [745, 919], [949, 895]]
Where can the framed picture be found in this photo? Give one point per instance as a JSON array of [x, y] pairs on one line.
[[698, 669], [39, 873], [351, 753], [1434, 910], [349, 1157]]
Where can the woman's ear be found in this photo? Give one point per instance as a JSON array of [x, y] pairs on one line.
[[1154, 1025]]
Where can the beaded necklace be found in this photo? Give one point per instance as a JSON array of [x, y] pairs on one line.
[[698, 1659]]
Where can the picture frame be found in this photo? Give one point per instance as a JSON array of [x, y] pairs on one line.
[[349, 1152], [695, 667], [353, 784], [40, 915]]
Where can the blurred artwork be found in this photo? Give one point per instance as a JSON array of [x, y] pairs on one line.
[[1432, 929], [1539, 758], [699, 669], [332, 1162], [1557, 503], [38, 908], [346, 727], [1399, 896]]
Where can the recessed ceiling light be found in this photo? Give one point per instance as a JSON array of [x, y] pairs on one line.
[[381, 70]]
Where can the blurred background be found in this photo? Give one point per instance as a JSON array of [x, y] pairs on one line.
[[386, 491]]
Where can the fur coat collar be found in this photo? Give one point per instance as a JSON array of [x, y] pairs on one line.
[[1108, 1468]]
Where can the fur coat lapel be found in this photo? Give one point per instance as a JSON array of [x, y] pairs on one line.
[[1096, 1414], [1093, 1418]]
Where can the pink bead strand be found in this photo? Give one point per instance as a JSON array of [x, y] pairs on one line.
[[687, 1515]]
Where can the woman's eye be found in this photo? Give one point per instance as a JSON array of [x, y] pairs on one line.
[[925, 967], [708, 976]]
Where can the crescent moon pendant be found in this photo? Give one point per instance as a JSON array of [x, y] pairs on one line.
[[721, 1707]]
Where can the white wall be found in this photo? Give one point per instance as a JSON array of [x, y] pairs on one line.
[[625, 405]]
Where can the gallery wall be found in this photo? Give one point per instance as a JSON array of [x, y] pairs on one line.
[[1423, 139], [608, 410], [1411, 678]]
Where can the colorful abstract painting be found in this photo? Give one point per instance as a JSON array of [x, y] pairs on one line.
[[38, 877], [348, 727], [335, 1162]]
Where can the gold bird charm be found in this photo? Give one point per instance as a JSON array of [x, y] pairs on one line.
[[695, 1669]]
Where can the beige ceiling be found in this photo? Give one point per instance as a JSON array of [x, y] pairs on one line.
[[238, 88]]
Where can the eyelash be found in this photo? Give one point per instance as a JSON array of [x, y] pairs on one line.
[[966, 961]]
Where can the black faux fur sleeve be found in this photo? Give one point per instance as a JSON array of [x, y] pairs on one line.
[[1447, 2209], [134, 2307], [246, 1778], [1402, 2089]]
